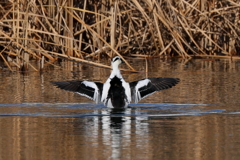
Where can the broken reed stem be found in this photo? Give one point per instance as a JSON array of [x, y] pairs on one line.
[[37, 29], [87, 62]]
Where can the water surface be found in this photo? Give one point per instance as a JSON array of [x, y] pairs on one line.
[[197, 119]]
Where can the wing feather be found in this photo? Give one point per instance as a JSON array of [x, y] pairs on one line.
[[145, 87], [91, 90]]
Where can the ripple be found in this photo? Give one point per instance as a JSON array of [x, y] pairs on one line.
[[92, 110]]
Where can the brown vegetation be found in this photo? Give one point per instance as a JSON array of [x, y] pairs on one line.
[[48, 30]]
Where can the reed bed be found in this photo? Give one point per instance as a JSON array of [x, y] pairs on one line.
[[50, 30]]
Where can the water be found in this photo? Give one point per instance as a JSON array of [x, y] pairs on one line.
[[197, 119]]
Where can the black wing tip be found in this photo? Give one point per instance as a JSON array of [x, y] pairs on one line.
[[72, 86], [177, 80], [57, 83], [163, 83], [173, 81], [54, 82]]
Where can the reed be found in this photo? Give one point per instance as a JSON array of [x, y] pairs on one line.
[[81, 30]]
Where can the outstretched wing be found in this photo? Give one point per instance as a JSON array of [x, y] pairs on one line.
[[92, 90], [145, 87]]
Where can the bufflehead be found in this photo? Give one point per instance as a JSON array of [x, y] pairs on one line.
[[116, 92]]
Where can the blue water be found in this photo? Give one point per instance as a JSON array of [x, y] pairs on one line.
[[87, 109]]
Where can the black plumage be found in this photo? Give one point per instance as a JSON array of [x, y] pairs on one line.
[[116, 93]]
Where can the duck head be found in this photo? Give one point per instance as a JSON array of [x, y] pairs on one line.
[[116, 61]]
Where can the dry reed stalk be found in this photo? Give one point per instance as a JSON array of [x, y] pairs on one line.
[[113, 25], [69, 33], [90, 29], [146, 66], [21, 46], [82, 27], [147, 28], [87, 61]]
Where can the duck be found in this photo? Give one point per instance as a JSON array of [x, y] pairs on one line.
[[116, 92]]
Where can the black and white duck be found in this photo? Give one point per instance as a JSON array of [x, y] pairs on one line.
[[116, 92]]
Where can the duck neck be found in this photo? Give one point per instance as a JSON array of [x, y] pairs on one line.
[[115, 72]]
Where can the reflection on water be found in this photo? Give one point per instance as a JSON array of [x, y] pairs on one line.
[[197, 119], [87, 131]]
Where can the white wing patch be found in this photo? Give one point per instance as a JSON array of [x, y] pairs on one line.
[[139, 85], [96, 96], [106, 87], [127, 88]]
